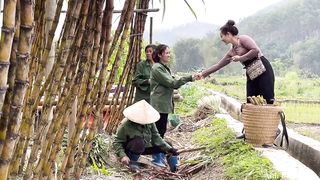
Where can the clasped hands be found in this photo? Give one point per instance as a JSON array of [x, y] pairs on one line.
[[197, 76]]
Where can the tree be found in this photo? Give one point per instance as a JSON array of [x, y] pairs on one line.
[[188, 55], [305, 55]]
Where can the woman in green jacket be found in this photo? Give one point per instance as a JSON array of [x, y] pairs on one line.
[[141, 78], [139, 135], [162, 86]]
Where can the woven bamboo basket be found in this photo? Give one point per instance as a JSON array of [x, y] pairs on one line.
[[260, 123]]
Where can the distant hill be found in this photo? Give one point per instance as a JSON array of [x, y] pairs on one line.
[[280, 26], [288, 33], [195, 30]]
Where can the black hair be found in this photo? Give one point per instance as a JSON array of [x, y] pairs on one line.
[[229, 27], [150, 46], [158, 51]]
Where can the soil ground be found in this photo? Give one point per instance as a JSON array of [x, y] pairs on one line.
[[180, 137]]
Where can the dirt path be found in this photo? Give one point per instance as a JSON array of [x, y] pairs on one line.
[[180, 137]]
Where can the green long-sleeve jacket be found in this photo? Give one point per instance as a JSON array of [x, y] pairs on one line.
[[141, 81], [130, 130], [162, 86]]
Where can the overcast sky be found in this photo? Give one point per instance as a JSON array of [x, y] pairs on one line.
[[213, 11], [177, 12]]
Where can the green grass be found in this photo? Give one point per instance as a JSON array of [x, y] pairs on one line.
[[288, 87], [191, 94], [239, 160], [302, 112]]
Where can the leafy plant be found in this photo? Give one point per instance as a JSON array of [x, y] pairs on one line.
[[191, 92], [239, 159], [99, 170]]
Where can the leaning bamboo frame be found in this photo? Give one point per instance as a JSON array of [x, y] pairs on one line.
[[78, 62]]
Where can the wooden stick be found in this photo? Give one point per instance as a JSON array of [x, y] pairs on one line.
[[191, 150]]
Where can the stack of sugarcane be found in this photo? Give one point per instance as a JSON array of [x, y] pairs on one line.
[[257, 100]]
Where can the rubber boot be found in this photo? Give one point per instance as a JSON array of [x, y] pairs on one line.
[[157, 160], [134, 167], [163, 158], [172, 161]]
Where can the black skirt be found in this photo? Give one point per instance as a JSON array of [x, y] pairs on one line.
[[263, 85]]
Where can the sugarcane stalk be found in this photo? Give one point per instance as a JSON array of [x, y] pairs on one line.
[[115, 65], [7, 35], [11, 77], [21, 146], [69, 83], [26, 124], [83, 158], [122, 21], [133, 56], [50, 96], [105, 43], [21, 84], [107, 18], [69, 39]]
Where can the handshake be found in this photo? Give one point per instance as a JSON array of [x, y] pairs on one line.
[[197, 76]]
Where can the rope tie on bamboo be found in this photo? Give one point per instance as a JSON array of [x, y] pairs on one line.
[[22, 56], [23, 83], [49, 19], [8, 29], [13, 136], [138, 34], [3, 90], [2, 161], [26, 27], [15, 108], [4, 65], [51, 34]]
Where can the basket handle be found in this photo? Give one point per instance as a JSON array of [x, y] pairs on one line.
[[284, 128]]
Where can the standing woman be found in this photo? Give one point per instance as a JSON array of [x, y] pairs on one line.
[[162, 86], [141, 78], [260, 81]]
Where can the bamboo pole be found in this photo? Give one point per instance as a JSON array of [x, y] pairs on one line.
[[48, 145], [86, 45], [29, 111], [105, 46], [82, 153], [11, 77], [142, 10], [115, 65], [21, 83], [58, 69], [85, 105], [7, 35], [120, 27], [132, 59], [18, 152], [61, 108]]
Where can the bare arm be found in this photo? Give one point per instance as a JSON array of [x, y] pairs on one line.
[[248, 43], [223, 62]]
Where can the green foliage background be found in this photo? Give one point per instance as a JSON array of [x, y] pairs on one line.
[[288, 34]]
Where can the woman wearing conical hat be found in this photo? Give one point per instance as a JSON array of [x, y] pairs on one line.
[[139, 136]]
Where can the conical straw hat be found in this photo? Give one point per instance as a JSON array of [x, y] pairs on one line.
[[141, 112]]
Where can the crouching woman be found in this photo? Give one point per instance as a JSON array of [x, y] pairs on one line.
[[138, 135]]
